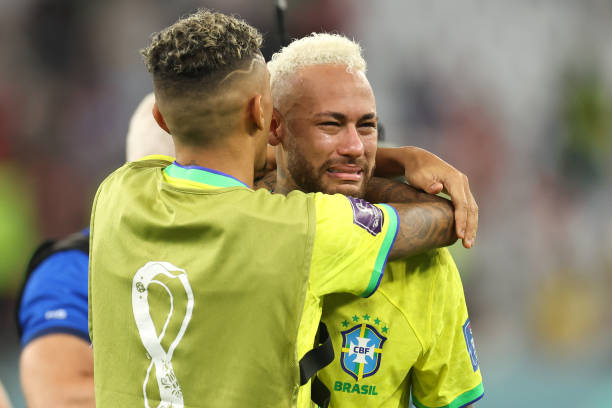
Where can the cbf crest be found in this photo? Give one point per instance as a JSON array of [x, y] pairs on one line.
[[361, 351]]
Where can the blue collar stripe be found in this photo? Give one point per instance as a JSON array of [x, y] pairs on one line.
[[203, 175]]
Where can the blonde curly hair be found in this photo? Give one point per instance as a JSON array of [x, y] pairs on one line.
[[201, 44]]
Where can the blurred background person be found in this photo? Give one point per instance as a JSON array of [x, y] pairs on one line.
[[56, 364]]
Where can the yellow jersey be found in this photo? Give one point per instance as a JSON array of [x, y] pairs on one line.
[[413, 334]]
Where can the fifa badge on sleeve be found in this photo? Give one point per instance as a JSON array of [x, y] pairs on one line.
[[469, 341], [366, 215]]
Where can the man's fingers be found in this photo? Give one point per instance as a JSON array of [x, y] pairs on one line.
[[471, 229], [456, 191], [435, 188], [457, 186]]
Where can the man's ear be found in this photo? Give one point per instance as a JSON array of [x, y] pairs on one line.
[[159, 118], [256, 112], [276, 128]]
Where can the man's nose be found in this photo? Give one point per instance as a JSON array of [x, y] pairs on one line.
[[351, 143]]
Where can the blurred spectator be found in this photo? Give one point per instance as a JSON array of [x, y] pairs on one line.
[[58, 35], [56, 363], [17, 226], [586, 128]]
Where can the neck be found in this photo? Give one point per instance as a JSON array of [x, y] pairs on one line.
[[282, 188], [284, 181], [233, 157]]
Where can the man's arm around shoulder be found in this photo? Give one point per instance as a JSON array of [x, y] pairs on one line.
[[425, 221]]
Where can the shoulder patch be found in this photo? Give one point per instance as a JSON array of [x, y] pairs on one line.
[[469, 341], [366, 215]]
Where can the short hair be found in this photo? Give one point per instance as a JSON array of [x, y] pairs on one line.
[[199, 46], [144, 136], [315, 49], [192, 62]]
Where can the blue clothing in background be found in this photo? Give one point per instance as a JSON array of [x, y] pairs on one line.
[[54, 298]]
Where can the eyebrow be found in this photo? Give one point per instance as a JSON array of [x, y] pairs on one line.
[[342, 117]]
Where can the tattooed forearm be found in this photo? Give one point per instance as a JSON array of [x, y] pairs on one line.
[[426, 221], [382, 190], [423, 226], [268, 181]]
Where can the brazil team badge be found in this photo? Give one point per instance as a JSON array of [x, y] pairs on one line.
[[361, 351]]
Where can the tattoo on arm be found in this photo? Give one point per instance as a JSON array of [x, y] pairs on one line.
[[382, 190], [426, 221], [423, 226]]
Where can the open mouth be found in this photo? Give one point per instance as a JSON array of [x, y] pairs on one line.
[[346, 172]]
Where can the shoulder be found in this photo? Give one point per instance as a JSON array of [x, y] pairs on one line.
[[62, 261], [416, 284], [417, 273], [420, 272], [294, 203], [54, 297], [61, 267], [146, 165], [151, 161], [138, 180]]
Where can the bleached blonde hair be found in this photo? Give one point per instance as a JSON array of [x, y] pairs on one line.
[[315, 49], [144, 136]]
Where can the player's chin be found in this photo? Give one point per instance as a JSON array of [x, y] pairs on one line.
[[349, 189]]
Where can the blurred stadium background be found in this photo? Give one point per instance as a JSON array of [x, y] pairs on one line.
[[516, 94]]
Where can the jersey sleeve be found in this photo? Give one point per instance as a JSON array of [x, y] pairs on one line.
[[351, 245], [447, 374], [55, 297]]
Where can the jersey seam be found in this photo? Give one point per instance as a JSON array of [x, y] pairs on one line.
[[381, 290], [155, 158], [308, 244]]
